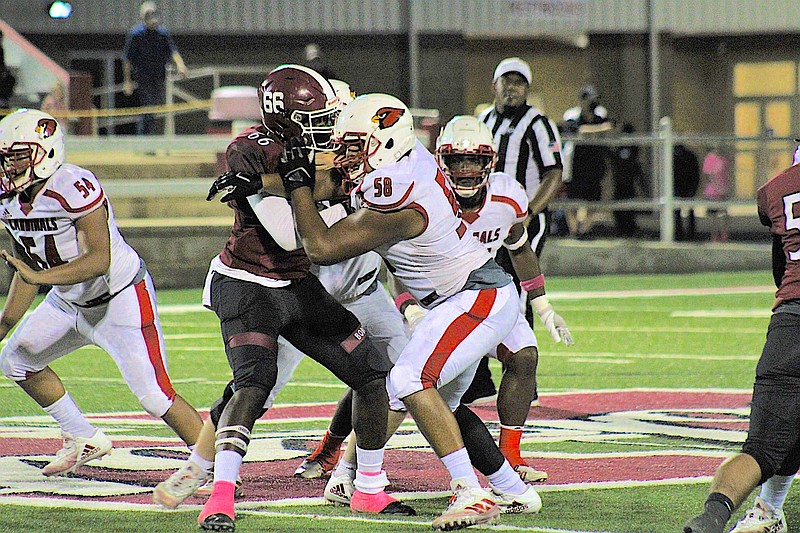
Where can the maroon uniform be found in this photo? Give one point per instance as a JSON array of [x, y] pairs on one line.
[[779, 208], [250, 247], [773, 439]]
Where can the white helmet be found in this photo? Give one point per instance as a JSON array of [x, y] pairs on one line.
[[31, 149], [343, 92], [374, 129], [466, 139]]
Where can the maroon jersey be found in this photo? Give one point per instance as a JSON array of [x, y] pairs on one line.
[[779, 208], [250, 247]]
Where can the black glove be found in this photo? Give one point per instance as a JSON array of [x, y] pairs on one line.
[[294, 167], [236, 185]]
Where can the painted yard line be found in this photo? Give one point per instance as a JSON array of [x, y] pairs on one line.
[[658, 293], [693, 357], [120, 381], [723, 313], [647, 389], [600, 361], [723, 328], [182, 336]]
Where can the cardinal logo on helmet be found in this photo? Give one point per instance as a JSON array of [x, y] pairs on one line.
[[386, 117], [46, 127]]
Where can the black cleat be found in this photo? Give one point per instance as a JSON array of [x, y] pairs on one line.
[[399, 508], [218, 522]]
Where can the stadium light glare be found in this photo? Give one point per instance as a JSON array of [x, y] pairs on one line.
[[59, 10]]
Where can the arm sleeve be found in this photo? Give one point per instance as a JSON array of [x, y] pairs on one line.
[[275, 214]]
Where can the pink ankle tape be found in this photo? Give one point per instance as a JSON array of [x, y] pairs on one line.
[[378, 473], [221, 500], [370, 503]]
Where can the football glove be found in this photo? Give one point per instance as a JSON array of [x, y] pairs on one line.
[[294, 167], [413, 315], [552, 321], [236, 185]]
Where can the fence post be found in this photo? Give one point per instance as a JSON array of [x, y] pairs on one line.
[[667, 220], [169, 116]]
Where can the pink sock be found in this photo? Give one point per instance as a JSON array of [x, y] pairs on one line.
[[220, 502], [361, 502]]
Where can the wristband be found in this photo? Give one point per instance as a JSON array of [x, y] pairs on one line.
[[402, 299], [520, 242], [532, 284]]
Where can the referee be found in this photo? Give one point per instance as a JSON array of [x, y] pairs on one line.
[[528, 148]]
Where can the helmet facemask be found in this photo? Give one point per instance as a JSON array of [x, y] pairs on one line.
[[317, 127], [17, 163], [352, 157]]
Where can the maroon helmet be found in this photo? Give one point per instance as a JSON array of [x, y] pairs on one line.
[[297, 100]]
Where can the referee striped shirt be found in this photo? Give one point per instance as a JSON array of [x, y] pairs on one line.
[[527, 144]]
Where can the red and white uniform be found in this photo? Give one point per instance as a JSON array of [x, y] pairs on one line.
[[473, 304], [505, 204], [116, 311]]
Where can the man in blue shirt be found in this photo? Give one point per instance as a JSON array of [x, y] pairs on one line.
[[148, 49]]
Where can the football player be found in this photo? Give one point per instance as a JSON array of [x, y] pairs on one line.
[[355, 284], [408, 213], [494, 206], [65, 235], [772, 447], [261, 289]]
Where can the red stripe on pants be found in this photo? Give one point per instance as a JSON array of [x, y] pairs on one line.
[[455, 333], [150, 334]]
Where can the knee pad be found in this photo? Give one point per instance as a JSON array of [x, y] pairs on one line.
[[8, 367], [253, 366], [399, 385], [156, 405], [524, 362]]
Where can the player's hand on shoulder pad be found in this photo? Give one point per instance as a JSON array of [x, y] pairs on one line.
[[296, 166], [235, 185]]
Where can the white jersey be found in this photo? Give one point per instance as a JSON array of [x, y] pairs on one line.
[[437, 263], [350, 278], [506, 204], [45, 234]]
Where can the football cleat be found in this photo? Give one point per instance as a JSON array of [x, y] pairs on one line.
[[204, 490], [528, 502], [381, 503], [180, 485], [77, 451], [761, 518], [217, 522], [339, 489], [529, 474], [322, 460], [469, 506]]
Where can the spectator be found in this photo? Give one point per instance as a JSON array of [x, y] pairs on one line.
[[529, 150], [149, 48], [589, 162], [627, 173], [716, 172], [7, 80], [56, 100], [686, 172]]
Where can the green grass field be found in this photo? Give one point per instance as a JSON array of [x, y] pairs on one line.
[[690, 339]]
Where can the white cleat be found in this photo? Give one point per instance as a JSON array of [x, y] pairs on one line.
[[469, 506], [761, 518], [528, 502], [77, 451], [530, 475], [180, 485], [339, 489]]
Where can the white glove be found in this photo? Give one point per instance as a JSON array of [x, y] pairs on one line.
[[413, 314], [552, 321]]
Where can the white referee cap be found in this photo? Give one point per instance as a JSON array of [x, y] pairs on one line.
[[513, 64]]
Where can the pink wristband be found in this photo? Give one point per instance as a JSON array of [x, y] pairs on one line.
[[401, 299], [532, 284]]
